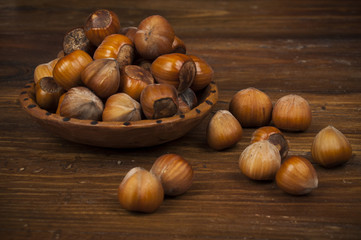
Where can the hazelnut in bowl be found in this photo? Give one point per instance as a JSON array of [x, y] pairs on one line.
[[104, 98], [124, 133]]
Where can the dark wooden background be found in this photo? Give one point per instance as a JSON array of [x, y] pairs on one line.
[[54, 189]]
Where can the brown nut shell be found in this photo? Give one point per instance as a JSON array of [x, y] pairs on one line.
[[187, 101], [102, 76], [178, 46], [260, 161], [174, 172], [331, 148], [76, 39], [292, 113], [133, 79], [121, 107], [116, 46], [175, 69], [297, 176], [81, 103], [140, 191], [67, 71], [204, 74], [223, 130], [44, 70], [47, 93], [274, 135], [154, 37], [251, 107], [100, 24], [159, 101]]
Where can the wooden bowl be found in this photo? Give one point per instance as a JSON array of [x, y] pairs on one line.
[[130, 134]]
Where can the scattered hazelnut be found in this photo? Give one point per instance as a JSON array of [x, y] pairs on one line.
[[331, 148], [174, 172], [292, 113], [274, 136], [223, 130], [140, 191], [251, 107], [260, 161], [297, 176]]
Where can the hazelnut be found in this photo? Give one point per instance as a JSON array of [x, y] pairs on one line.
[[140, 191], [274, 136], [100, 24], [44, 70], [174, 172], [116, 46], [292, 113], [331, 148], [133, 79], [223, 130], [154, 37], [68, 69], [260, 161], [102, 76], [159, 101], [76, 39], [81, 103], [297, 176], [251, 107], [47, 93], [121, 107], [204, 74], [175, 69]]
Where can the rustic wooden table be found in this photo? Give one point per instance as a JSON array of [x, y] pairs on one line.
[[51, 188]]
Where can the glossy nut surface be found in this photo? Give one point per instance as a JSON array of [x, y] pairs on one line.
[[204, 73], [274, 136], [297, 176], [292, 113], [251, 107], [44, 70], [47, 93], [67, 71], [159, 101], [175, 69], [133, 79], [116, 46], [331, 148], [140, 191], [223, 130], [100, 24], [121, 107], [174, 172]]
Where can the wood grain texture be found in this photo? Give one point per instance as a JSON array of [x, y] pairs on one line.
[[54, 189]]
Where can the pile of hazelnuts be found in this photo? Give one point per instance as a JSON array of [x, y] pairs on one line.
[[109, 73], [266, 158]]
